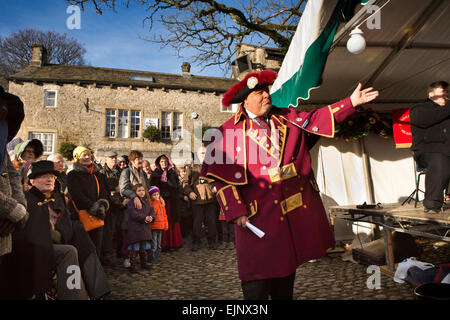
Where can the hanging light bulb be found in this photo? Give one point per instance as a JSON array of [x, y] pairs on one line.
[[356, 44]]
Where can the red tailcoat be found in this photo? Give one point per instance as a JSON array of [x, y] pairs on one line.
[[269, 179]]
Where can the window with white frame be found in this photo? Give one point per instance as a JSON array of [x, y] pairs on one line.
[[165, 125], [233, 108], [110, 124], [135, 120], [120, 123], [171, 125], [47, 139], [50, 97], [177, 128], [122, 128]]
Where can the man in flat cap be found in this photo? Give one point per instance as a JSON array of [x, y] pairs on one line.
[[112, 236], [260, 163]]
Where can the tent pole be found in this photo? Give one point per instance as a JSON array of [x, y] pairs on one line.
[[370, 192], [367, 173]]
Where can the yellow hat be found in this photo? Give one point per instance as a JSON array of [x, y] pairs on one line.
[[78, 151]]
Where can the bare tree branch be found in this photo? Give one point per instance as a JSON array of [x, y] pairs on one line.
[[15, 50], [210, 30]]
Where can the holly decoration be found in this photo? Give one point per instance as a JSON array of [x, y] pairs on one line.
[[363, 123]]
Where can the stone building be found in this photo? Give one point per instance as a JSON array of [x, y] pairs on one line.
[[250, 58], [108, 109]]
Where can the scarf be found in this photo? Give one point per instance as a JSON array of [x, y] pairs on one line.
[[164, 176], [91, 169]]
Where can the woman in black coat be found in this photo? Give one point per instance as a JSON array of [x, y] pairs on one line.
[[88, 191], [165, 177]]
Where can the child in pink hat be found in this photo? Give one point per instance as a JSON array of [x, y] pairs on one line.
[[159, 224]]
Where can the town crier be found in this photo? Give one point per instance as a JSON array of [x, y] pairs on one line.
[[260, 163]]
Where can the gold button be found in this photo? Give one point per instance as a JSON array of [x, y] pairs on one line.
[[239, 201], [270, 186], [301, 189], [304, 206], [275, 201], [281, 218], [226, 208], [264, 167]]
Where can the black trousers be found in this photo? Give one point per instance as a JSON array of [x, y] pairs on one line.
[[227, 231], [204, 213], [94, 276], [436, 178], [112, 235], [275, 288], [97, 238], [67, 256]]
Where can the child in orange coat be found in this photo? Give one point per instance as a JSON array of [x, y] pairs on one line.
[[158, 225]]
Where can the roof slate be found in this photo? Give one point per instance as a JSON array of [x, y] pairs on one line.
[[120, 77]]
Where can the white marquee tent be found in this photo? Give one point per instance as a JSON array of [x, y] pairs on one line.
[[409, 50]]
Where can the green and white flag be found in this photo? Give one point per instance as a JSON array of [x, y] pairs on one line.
[[302, 67]]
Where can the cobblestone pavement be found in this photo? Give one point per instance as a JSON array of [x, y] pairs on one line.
[[212, 275]]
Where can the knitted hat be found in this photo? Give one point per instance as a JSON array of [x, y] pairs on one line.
[[153, 189], [252, 81], [78, 151]]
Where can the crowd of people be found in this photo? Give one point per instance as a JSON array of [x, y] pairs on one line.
[[92, 214], [88, 214], [143, 210]]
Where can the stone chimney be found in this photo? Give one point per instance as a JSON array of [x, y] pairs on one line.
[[38, 55], [186, 69]]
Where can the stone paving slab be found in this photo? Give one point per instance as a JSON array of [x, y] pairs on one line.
[[212, 275]]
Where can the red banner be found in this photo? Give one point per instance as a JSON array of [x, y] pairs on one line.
[[401, 127]]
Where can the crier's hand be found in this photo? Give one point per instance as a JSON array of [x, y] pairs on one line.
[[363, 96], [241, 221]]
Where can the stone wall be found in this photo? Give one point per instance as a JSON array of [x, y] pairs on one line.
[[70, 122]]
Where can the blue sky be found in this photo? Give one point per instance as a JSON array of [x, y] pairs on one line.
[[112, 40]]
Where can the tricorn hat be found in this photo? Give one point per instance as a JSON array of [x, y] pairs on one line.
[[252, 81], [41, 167]]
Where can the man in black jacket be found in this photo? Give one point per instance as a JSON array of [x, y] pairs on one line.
[[51, 241], [112, 236], [430, 127]]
